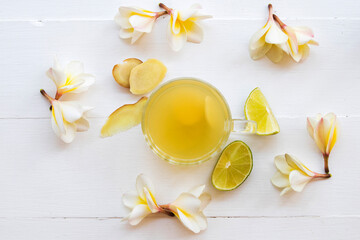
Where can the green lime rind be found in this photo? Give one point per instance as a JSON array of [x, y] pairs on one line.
[[221, 174], [270, 113]]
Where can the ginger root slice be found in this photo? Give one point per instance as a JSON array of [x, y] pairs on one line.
[[121, 72], [124, 118], [146, 76]]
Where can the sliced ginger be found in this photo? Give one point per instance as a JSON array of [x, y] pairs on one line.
[[124, 118], [121, 71], [146, 76]]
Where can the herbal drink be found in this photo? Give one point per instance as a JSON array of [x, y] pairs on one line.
[[186, 121]]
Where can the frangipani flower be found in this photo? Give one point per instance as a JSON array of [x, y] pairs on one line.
[[292, 174], [67, 117], [324, 132], [142, 202], [298, 39], [134, 22], [266, 39], [183, 26], [188, 208], [70, 79]]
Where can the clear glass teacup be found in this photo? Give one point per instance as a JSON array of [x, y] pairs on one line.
[[188, 121]]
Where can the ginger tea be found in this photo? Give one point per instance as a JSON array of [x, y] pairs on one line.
[[186, 120]]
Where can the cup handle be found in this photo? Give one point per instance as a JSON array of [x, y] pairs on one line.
[[242, 126]]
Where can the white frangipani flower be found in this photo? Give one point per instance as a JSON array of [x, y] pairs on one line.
[[292, 174], [134, 22], [67, 117], [266, 40], [323, 129], [298, 39], [70, 79], [189, 206], [142, 202], [184, 26]]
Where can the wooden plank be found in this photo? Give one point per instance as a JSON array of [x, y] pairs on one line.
[[76, 9], [42, 177], [331, 228], [292, 89]]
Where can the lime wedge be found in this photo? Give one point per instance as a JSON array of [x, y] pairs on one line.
[[233, 167], [258, 110]]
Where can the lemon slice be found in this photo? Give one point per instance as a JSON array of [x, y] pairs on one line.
[[258, 110], [233, 167]]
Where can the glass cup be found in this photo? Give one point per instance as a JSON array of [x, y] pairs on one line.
[[188, 121]]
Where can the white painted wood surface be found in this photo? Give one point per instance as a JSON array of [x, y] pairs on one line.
[[52, 190]]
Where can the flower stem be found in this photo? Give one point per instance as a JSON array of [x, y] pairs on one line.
[[270, 7], [50, 99], [159, 14], [58, 95], [277, 19], [321, 175], [326, 162], [166, 210], [167, 9]]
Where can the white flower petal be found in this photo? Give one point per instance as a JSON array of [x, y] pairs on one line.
[[280, 180], [187, 13], [138, 214], [296, 164], [83, 82], [69, 135], [142, 23], [199, 17], [197, 191], [131, 199], [126, 33], [74, 68], [82, 125], [275, 35], [174, 23], [150, 200], [194, 32], [284, 47], [320, 135], [304, 50], [298, 180], [57, 117], [122, 20], [55, 126], [187, 203], [282, 165], [135, 36], [188, 222], [205, 199], [303, 34], [70, 88], [313, 42], [275, 54], [260, 52], [122, 17], [258, 39], [71, 111], [200, 220], [57, 75], [142, 182], [176, 41]]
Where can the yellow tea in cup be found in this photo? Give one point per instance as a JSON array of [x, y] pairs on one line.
[[186, 121]]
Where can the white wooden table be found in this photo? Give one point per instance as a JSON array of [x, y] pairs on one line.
[[52, 190]]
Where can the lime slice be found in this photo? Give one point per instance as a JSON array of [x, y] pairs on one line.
[[258, 110], [233, 167]]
